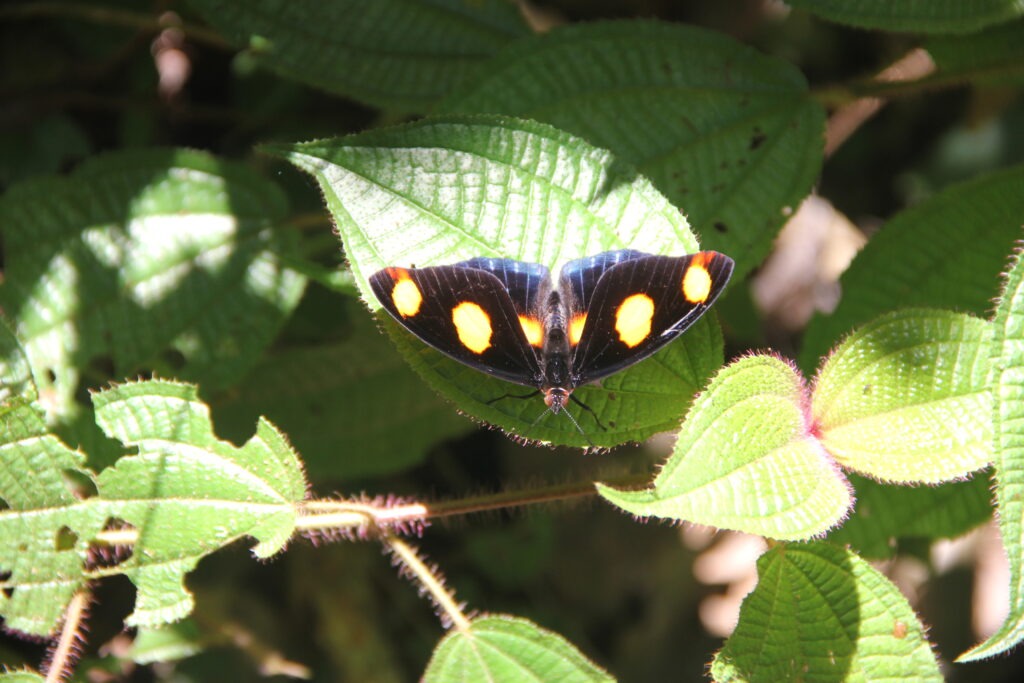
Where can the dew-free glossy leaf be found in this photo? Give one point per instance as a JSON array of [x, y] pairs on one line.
[[1007, 382], [821, 613], [388, 53], [445, 190], [726, 133], [15, 370], [905, 398], [504, 649], [746, 459], [933, 16]]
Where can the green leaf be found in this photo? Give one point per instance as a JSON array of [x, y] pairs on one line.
[[820, 613], [152, 259], [189, 493], [946, 252], [15, 372], [905, 398], [166, 643], [503, 648], [389, 53], [444, 190], [725, 132], [994, 56], [934, 16], [308, 392], [1008, 441], [21, 677], [887, 513], [44, 528], [746, 459]]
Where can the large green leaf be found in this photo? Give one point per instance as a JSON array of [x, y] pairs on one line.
[[992, 56], [1008, 422], [352, 408], [905, 398], [184, 492], [155, 259], [946, 252], [725, 132], [885, 514], [188, 492], [503, 649], [444, 190], [15, 370], [932, 16], [403, 54], [747, 459], [820, 613], [44, 529]]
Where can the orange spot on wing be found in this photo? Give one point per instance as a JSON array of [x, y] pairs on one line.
[[697, 280], [405, 294], [633, 319], [473, 326], [576, 326], [533, 330]]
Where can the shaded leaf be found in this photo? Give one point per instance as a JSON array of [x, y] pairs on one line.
[[166, 643], [992, 56], [726, 133], [15, 372], [746, 459], [820, 613], [445, 190], [1008, 443], [946, 252], [905, 397], [389, 53], [352, 409], [887, 513], [934, 16], [502, 648], [152, 259]]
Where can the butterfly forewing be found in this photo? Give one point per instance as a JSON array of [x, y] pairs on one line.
[[475, 321], [640, 304]]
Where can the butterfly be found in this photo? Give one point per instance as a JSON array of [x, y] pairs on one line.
[[510, 319]]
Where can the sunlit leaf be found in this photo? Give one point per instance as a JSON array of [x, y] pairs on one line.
[[441, 191], [746, 459], [503, 649], [905, 397], [820, 613]]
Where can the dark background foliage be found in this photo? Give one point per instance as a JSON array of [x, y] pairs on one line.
[[76, 81]]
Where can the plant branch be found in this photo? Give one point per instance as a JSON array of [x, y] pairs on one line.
[[109, 16], [64, 653], [429, 579]]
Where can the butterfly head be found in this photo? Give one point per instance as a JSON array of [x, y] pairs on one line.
[[556, 398]]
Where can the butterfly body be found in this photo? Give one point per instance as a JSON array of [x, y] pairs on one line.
[[513, 320]]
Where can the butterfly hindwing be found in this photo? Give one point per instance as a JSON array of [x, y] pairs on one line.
[[640, 304], [579, 277], [465, 313]]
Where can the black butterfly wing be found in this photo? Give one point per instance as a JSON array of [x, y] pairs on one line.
[[640, 304], [465, 313], [579, 277], [526, 283]]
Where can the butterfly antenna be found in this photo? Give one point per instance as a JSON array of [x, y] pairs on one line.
[[578, 428], [540, 417]]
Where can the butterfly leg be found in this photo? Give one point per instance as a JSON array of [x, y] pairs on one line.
[[519, 396], [581, 404]]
